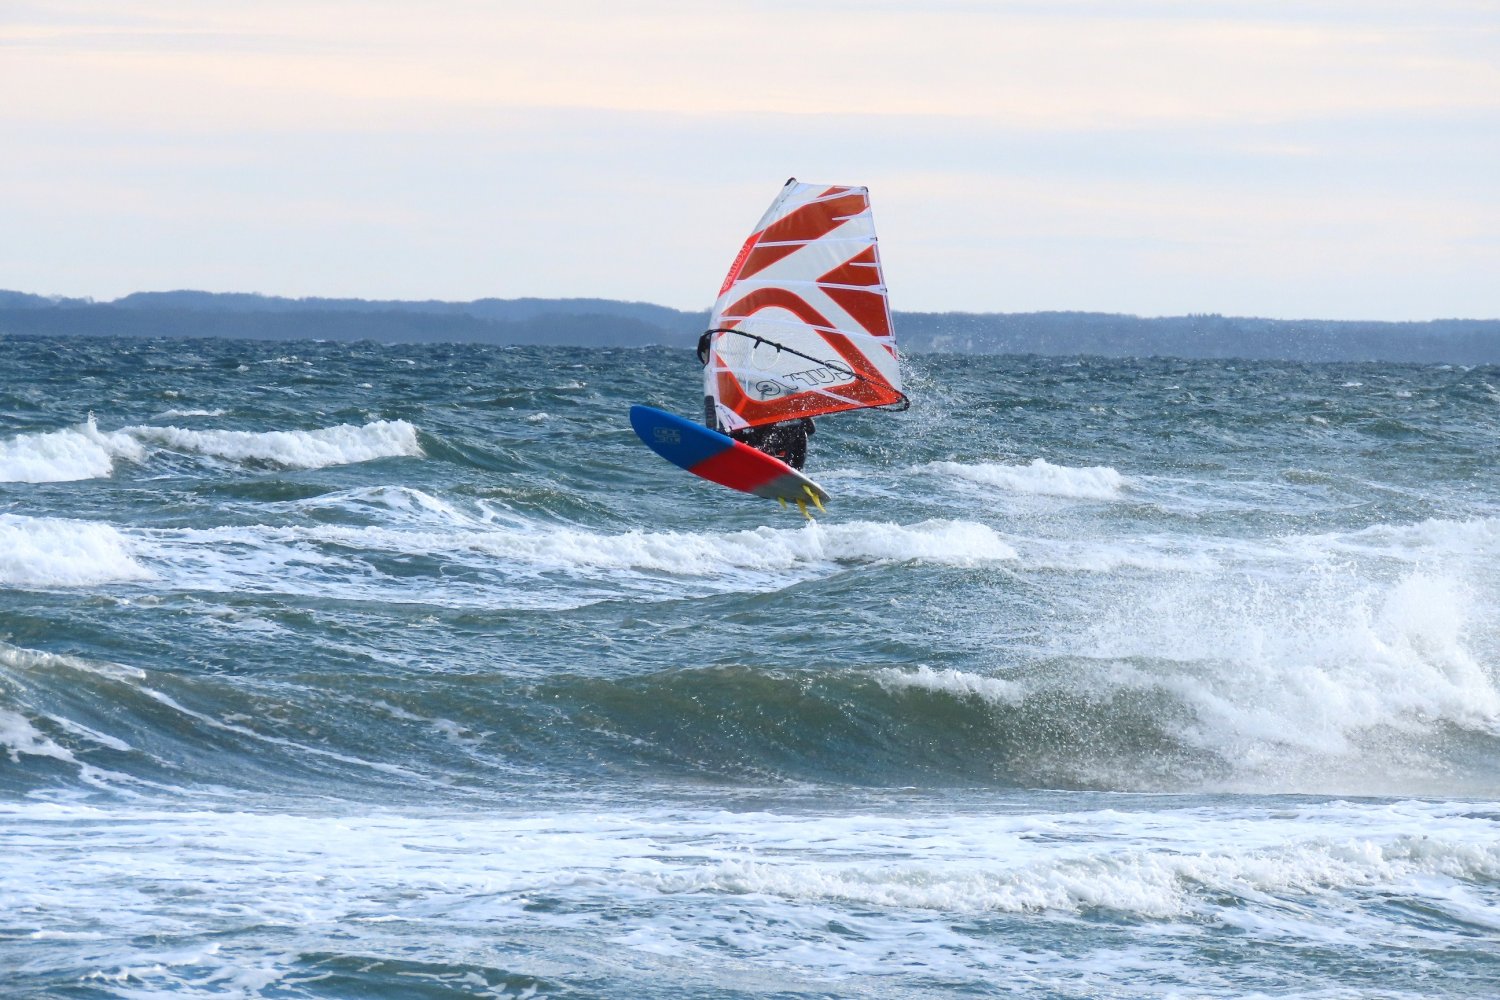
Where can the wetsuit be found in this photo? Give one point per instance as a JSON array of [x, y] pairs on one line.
[[786, 440]]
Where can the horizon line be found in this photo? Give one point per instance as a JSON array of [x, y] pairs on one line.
[[59, 299]]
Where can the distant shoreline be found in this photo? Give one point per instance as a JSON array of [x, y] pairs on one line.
[[585, 322]]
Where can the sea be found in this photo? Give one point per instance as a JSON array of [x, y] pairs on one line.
[[348, 670]]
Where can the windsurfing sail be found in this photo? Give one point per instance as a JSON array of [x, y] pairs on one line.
[[802, 326]]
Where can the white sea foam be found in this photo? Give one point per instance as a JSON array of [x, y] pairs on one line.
[[1424, 541], [532, 566], [872, 894], [403, 506], [956, 682], [314, 449], [1444, 545], [962, 543], [67, 455], [85, 452], [1158, 554], [1141, 883], [1040, 477], [56, 552], [177, 414]]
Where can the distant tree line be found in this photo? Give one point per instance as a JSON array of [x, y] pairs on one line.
[[1453, 341], [608, 323]]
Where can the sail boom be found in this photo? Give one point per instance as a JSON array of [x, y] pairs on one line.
[[762, 324]]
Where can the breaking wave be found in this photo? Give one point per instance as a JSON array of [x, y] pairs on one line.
[[74, 453], [425, 550], [58, 552], [86, 452], [1040, 477], [345, 444]]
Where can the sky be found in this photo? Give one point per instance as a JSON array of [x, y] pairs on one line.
[[1335, 159]]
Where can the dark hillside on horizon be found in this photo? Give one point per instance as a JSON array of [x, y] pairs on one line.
[[609, 323]]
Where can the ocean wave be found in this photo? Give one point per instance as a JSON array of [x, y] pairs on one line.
[[709, 554], [20, 659], [58, 552], [411, 521], [46, 735], [399, 505], [19, 737], [175, 414], [1040, 477], [121, 726], [474, 562], [955, 682], [86, 452], [67, 455], [1327, 682], [345, 444], [1473, 538], [1448, 544]]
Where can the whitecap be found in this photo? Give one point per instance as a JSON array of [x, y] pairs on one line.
[[85, 452], [57, 552], [529, 566], [67, 455], [955, 682], [945, 542], [1040, 477], [342, 445], [178, 414]]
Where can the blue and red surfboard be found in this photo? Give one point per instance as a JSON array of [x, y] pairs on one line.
[[723, 460]]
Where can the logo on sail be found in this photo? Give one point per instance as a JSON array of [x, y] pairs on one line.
[[793, 382]]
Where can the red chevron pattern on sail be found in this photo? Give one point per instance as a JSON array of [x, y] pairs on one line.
[[803, 319]]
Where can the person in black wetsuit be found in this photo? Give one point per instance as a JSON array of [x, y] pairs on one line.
[[786, 440]]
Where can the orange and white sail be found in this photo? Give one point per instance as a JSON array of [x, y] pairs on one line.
[[802, 326]]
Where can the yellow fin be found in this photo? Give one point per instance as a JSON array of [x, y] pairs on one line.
[[782, 501], [802, 506], [813, 496]]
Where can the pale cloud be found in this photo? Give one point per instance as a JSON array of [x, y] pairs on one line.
[[334, 64], [1326, 158], [1167, 247]]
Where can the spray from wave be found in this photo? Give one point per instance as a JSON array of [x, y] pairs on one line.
[[1340, 679]]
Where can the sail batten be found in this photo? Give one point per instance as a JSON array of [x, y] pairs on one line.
[[802, 324]]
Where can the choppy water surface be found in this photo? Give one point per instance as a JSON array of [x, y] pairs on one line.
[[362, 671]]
